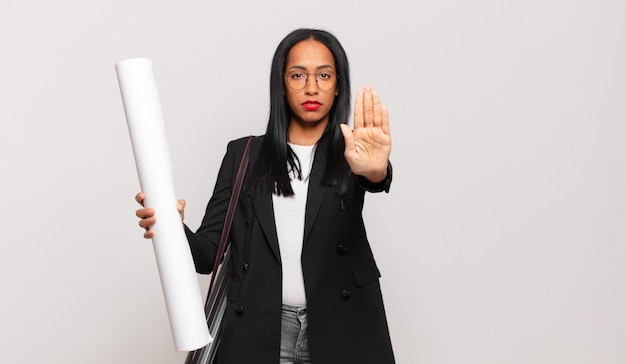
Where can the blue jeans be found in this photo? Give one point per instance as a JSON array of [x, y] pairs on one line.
[[294, 343]]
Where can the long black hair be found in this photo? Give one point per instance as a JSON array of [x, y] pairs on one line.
[[270, 172]]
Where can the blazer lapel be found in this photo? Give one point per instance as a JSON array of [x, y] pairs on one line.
[[264, 209], [316, 191]]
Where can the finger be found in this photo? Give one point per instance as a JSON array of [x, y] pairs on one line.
[[149, 234], [385, 120], [358, 110], [144, 213], [147, 222], [377, 109], [368, 110], [348, 137], [140, 197]]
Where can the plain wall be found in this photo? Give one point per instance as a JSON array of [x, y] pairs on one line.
[[503, 237]]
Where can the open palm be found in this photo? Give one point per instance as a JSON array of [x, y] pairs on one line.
[[368, 146]]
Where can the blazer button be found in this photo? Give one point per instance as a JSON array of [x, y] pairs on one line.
[[245, 266], [345, 294], [342, 249], [343, 204], [239, 309], [248, 222]]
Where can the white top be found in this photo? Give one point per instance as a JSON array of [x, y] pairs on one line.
[[289, 214]]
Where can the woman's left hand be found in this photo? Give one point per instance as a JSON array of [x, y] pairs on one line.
[[368, 146]]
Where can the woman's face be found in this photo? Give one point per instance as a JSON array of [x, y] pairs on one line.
[[310, 105]]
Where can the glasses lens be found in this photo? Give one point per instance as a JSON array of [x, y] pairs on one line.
[[296, 80], [325, 80]]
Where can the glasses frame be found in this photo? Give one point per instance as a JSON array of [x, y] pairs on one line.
[[306, 80]]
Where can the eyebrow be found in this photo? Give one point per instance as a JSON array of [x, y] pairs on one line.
[[304, 68]]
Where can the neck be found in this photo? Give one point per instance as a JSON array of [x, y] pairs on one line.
[[305, 134]]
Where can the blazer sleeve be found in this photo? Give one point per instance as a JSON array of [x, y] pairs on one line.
[[384, 185], [205, 241]]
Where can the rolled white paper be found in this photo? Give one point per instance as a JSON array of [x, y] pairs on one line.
[[179, 282]]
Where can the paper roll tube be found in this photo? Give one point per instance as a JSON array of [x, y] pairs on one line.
[[152, 159]]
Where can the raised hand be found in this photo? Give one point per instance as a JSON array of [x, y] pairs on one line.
[[368, 146]]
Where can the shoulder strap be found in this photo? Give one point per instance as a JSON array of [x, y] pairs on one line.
[[230, 211]]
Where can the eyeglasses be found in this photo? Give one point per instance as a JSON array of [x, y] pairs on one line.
[[298, 80]]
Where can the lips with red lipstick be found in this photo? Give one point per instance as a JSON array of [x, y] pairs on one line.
[[311, 105]]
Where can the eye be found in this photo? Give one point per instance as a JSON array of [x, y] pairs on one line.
[[297, 76], [325, 76]]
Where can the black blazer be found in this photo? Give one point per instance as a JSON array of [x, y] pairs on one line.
[[346, 317]]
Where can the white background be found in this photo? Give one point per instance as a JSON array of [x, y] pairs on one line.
[[503, 237]]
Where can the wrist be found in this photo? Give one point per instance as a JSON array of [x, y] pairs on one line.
[[377, 176]]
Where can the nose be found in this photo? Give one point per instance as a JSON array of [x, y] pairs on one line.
[[311, 85]]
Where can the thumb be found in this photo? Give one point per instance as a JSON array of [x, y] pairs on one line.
[[181, 208], [347, 136]]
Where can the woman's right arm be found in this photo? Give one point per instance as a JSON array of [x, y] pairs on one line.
[[203, 242]]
